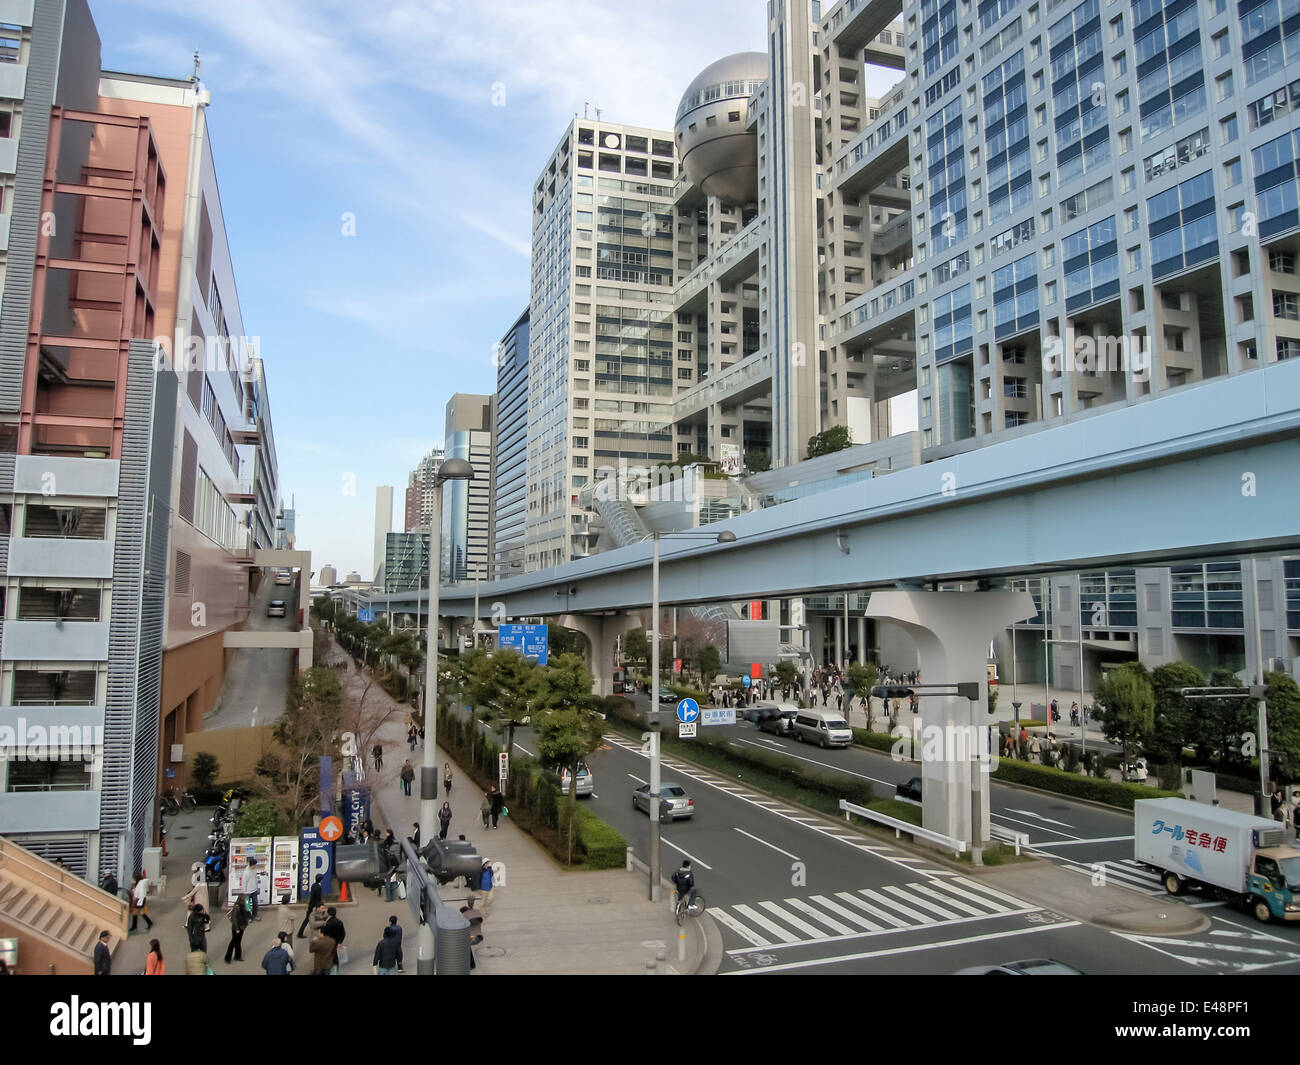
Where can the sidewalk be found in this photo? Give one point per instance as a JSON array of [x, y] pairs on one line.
[[543, 919]]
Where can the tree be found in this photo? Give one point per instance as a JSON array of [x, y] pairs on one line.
[[1126, 704], [858, 682], [1224, 722], [562, 641], [567, 725], [1282, 699], [205, 769], [709, 662], [757, 460], [787, 673], [1178, 723], [308, 730], [636, 646], [501, 688], [258, 817], [828, 441]]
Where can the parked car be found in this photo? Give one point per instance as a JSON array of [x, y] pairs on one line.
[[674, 803], [910, 790], [283, 576], [275, 609], [1136, 772], [1032, 967]]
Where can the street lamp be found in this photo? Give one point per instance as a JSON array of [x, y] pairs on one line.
[[451, 470], [724, 537]]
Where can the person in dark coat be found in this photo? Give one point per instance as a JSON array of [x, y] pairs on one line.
[[278, 961], [103, 958], [397, 931], [498, 803], [334, 927], [196, 927], [238, 922], [313, 901], [387, 952], [444, 820]]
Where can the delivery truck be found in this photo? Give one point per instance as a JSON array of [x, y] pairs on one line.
[[1240, 857]]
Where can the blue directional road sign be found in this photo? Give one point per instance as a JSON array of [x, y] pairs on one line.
[[529, 640], [366, 613], [688, 710], [745, 681]]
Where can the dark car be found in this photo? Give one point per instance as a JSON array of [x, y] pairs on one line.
[[667, 695], [910, 790], [777, 722]]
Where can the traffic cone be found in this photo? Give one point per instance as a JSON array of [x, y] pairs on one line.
[[343, 895]]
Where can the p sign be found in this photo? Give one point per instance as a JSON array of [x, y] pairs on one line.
[[503, 767], [315, 858]]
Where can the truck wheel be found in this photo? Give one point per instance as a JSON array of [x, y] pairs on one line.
[[1173, 883], [1261, 911]]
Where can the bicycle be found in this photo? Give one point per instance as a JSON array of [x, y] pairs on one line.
[[693, 908], [171, 806]]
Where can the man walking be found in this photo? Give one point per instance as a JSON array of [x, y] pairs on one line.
[[397, 932], [378, 752], [248, 886], [103, 958], [313, 900], [335, 932], [278, 961], [498, 804], [386, 953]]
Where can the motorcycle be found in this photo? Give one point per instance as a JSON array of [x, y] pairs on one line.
[[214, 865]]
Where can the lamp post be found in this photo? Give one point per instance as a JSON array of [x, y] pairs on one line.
[[725, 537], [450, 470]]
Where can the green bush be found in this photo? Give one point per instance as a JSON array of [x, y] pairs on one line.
[[603, 845], [205, 769], [1110, 792], [879, 741]]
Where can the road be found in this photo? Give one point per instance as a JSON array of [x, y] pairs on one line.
[[793, 891], [257, 679]]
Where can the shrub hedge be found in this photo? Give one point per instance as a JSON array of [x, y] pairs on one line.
[[1110, 792], [603, 845]]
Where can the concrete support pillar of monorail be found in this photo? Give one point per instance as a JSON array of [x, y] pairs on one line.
[[952, 631], [602, 632]]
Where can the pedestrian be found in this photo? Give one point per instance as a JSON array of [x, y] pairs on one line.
[[1024, 742], [140, 902], [198, 887], [422, 736], [196, 964], [278, 961], [444, 820], [313, 903], [498, 804], [839, 702], [407, 776], [1295, 813], [1035, 750], [153, 961], [196, 928], [378, 752], [446, 779], [412, 737], [238, 915], [249, 888], [485, 809], [109, 883], [323, 953], [335, 931], [103, 957], [475, 919], [486, 886], [397, 932], [386, 951], [414, 837]]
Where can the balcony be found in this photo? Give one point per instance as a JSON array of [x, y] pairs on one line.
[[737, 259], [55, 641], [61, 810], [749, 376]]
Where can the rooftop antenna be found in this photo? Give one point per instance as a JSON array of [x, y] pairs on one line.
[[598, 114], [194, 78], [585, 105]]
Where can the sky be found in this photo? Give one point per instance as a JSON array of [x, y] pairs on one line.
[[375, 165]]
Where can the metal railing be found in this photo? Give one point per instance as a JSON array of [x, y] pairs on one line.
[[899, 827]]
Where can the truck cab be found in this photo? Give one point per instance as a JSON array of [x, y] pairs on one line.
[[1274, 883]]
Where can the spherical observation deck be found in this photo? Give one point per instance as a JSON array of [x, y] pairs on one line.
[[714, 143]]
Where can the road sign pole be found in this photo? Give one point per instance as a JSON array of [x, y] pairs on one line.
[[654, 723]]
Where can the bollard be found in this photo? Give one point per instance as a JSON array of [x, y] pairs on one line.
[[650, 967], [629, 859], [681, 945]]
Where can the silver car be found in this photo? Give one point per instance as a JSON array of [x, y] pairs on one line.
[[674, 803]]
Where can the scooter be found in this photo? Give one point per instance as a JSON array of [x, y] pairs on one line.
[[214, 865]]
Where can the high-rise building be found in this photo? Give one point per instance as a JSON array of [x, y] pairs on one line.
[[465, 504], [508, 508], [383, 526], [141, 468], [419, 491], [600, 345], [329, 576], [406, 562]]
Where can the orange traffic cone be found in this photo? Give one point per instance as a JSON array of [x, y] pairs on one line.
[[343, 895]]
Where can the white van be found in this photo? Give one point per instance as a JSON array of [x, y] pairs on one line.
[[825, 727]]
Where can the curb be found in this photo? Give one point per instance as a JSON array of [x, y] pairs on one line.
[[710, 957]]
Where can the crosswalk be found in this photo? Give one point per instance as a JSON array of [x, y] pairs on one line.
[[813, 822], [1124, 873], [867, 911]]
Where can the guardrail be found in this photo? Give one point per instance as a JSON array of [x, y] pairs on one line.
[[899, 827], [1009, 836]]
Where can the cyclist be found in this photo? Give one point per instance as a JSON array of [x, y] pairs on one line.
[[684, 882]]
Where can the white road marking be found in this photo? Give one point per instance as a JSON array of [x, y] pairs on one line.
[[751, 914], [525, 749], [1076, 842], [766, 844], [947, 915], [866, 907], [742, 930], [846, 913], [638, 779], [893, 904], [947, 900], [825, 765], [817, 915], [785, 915], [978, 887], [1039, 817], [688, 854], [813, 962]]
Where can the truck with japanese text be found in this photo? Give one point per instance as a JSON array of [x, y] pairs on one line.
[[1240, 857]]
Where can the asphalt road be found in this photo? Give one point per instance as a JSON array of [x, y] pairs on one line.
[[792, 891]]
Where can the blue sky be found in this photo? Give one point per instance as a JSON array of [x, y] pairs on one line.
[[385, 111]]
